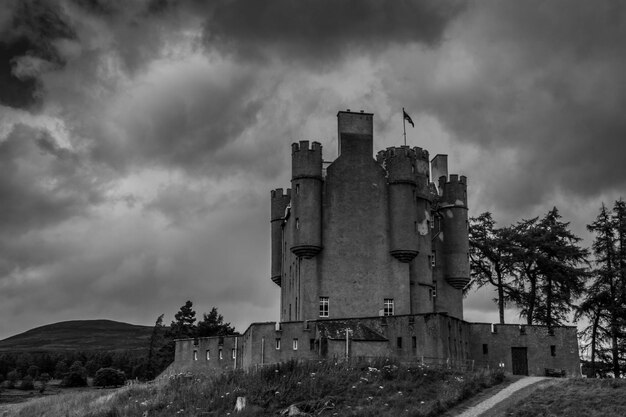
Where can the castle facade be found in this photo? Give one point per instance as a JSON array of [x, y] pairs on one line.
[[371, 257]]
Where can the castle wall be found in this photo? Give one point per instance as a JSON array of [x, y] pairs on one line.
[[538, 341], [213, 353], [430, 338]]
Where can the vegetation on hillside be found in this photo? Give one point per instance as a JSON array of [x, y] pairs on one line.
[[324, 388], [80, 335], [101, 344], [575, 398]]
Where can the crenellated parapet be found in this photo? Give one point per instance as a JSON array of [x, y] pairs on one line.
[[454, 190], [399, 162], [279, 202], [306, 161]]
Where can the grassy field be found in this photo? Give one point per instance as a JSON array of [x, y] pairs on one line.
[[575, 398], [322, 388]]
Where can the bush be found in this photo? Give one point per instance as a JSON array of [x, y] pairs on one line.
[[12, 378], [76, 377], [33, 371], [106, 377], [27, 383]]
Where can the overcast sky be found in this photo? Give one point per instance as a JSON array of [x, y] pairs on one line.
[[139, 140]]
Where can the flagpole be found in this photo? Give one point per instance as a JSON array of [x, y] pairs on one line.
[[404, 126]]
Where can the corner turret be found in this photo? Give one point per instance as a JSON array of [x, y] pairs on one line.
[[400, 164], [453, 207], [306, 198], [279, 203]]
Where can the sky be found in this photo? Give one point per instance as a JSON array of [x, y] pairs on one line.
[[139, 140]]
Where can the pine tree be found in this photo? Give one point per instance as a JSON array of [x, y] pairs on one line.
[[606, 296], [552, 265], [212, 324], [156, 341], [491, 258]]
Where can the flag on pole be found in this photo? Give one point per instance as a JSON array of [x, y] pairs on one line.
[[408, 118]]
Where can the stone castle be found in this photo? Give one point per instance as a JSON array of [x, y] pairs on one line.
[[371, 257]]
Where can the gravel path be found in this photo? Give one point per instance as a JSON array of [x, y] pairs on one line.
[[502, 395]]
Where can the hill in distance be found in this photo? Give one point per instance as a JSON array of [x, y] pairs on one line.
[[80, 335]]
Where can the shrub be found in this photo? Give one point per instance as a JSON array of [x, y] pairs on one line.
[[76, 377], [60, 370], [109, 377], [12, 378], [33, 371], [27, 383]]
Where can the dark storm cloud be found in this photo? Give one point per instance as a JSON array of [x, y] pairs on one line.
[[543, 93], [316, 30], [28, 32], [40, 183]]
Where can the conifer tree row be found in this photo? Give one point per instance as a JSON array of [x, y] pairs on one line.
[[539, 266], [536, 264]]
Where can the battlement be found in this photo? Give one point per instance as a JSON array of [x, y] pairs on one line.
[[454, 179], [421, 154], [279, 202], [454, 189], [306, 161], [303, 145], [278, 193]]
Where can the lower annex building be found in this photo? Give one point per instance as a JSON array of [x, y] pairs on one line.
[[371, 257]]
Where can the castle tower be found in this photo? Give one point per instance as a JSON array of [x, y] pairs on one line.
[[453, 208], [359, 239], [279, 203], [306, 198], [400, 164], [421, 272]]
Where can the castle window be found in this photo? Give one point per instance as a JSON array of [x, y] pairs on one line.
[[297, 223], [433, 259], [552, 350], [399, 343], [415, 226], [311, 344], [414, 342], [485, 349], [220, 340], [234, 353], [195, 355], [297, 189], [388, 307], [219, 354], [277, 343], [324, 307], [208, 354], [295, 344]]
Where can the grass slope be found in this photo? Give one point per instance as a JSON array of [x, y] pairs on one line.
[[319, 388], [80, 335], [575, 398]]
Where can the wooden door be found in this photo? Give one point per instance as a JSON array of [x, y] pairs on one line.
[[519, 359]]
